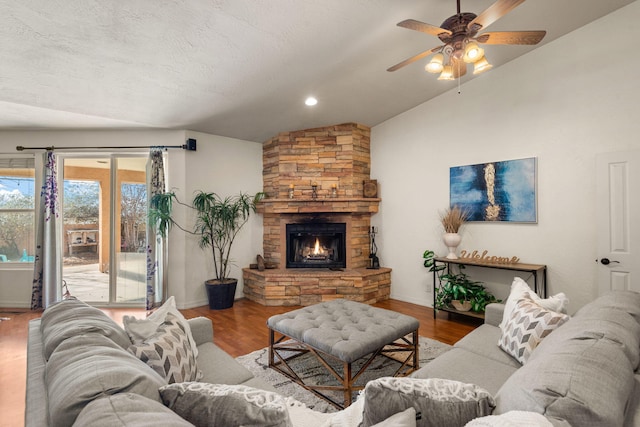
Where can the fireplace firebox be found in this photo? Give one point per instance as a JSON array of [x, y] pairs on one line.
[[316, 245]]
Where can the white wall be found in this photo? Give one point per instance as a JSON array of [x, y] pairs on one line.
[[222, 165], [563, 103], [225, 166]]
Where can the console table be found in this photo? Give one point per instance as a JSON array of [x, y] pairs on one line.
[[538, 271]]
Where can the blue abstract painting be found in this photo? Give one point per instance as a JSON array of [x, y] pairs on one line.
[[498, 191]]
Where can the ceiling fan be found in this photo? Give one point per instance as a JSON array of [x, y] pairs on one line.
[[459, 33]]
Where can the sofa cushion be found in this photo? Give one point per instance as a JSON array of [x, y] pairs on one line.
[[218, 367], [528, 325], [437, 401], [456, 364], [128, 410], [615, 322], [73, 317], [584, 381], [626, 301], [225, 405], [168, 352], [86, 367], [141, 329], [483, 342], [520, 288]]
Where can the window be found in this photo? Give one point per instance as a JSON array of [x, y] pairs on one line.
[[17, 209]]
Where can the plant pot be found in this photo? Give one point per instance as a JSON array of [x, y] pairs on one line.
[[221, 295], [451, 241], [461, 305]]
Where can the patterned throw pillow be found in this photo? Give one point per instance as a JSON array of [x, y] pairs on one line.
[[528, 325], [438, 402], [168, 352], [520, 289], [224, 405]]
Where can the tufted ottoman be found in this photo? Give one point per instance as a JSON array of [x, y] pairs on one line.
[[343, 330]]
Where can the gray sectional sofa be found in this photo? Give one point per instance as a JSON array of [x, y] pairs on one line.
[[585, 373]]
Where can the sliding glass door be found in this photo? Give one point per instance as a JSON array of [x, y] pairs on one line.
[[104, 203]]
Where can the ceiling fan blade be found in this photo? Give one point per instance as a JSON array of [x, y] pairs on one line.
[[493, 13], [459, 67], [412, 24], [414, 58], [511, 37]]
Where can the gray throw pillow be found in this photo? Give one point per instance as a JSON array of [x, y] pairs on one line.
[[91, 366], [128, 410], [168, 352], [222, 405], [438, 402], [72, 317]]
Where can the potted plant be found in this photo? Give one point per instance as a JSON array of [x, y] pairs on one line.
[[452, 220], [218, 222], [457, 289]]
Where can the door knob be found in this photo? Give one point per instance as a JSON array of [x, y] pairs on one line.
[[607, 261]]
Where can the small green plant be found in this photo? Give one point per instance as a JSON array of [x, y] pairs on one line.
[[456, 286]]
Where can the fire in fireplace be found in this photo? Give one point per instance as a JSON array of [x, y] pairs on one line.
[[316, 245]]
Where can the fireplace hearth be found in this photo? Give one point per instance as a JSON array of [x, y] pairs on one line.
[[316, 245]]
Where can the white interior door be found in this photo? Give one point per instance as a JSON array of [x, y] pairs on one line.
[[618, 213]]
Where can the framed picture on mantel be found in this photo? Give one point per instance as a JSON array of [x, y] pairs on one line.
[[370, 188], [504, 191]]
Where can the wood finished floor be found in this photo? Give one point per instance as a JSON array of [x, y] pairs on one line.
[[239, 330]]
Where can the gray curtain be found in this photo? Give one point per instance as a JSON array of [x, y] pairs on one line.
[[47, 268], [156, 282]]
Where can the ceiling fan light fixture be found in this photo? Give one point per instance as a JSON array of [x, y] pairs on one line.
[[472, 52], [447, 73], [481, 65], [436, 64]]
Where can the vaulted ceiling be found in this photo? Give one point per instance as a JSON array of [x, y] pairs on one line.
[[237, 68]]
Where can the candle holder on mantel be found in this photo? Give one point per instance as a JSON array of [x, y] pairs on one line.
[[291, 191], [314, 190], [334, 191]]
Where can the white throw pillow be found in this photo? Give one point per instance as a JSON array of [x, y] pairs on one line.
[[139, 330], [406, 418], [520, 288], [511, 419]]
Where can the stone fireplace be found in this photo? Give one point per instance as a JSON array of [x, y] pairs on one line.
[[324, 169]]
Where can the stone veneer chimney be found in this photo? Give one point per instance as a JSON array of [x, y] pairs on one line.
[[331, 156]]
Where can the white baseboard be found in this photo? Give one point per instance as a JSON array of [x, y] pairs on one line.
[[14, 304]]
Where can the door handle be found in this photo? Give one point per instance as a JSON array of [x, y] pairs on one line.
[[607, 261]]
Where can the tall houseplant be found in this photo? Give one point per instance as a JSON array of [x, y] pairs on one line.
[[218, 222]]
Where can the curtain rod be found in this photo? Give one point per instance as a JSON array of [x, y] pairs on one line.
[[189, 146]]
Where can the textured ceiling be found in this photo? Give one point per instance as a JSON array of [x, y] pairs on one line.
[[238, 68]]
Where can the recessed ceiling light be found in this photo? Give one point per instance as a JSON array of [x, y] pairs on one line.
[[310, 101]]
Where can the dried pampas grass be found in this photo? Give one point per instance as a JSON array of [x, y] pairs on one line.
[[452, 219]]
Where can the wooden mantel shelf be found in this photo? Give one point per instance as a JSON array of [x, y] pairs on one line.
[[328, 204]]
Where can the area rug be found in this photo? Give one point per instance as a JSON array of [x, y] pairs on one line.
[[312, 372]]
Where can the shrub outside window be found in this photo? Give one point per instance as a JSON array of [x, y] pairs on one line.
[[17, 209]]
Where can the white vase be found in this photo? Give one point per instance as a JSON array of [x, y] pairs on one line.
[[451, 241]]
